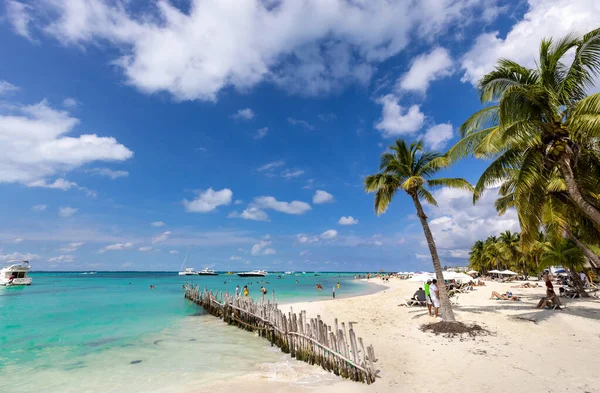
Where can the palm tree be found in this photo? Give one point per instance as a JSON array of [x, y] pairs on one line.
[[491, 253], [410, 169], [509, 244], [476, 260], [541, 121]]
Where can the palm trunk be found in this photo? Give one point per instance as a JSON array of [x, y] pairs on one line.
[[578, 283], [591, 256], [588, 209], [447, 312]]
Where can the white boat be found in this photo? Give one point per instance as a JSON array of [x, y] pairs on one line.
[[15, 273], [254, 273], [289, 273], [189, 271], [207, 272]]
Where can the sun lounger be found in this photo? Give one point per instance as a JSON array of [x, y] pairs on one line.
[[412, 303]]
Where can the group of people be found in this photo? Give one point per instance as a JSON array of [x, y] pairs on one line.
[[245, 291], [431, 296]]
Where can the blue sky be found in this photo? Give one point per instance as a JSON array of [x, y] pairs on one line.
[[133, 132]]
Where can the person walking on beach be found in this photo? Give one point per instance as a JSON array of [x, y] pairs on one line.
[[428, 296], [434, 293]]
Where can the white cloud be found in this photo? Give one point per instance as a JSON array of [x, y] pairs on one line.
[[18, 240], [322, 197], [208, 200], [456, 223], [71, 247], [6, 87], [426, 68], [293, 207], [70, 103], [66, 211], [261, 133], [110, 173], [377, 243], [18, 14], [145, 249], [173, 252], [305, 252], [161, 238], [214, 45], [238, 202], [62, 258], [423, 256], [251, 213], [271, 166], [158, 224], [39, 208], [17, 256], [235, 258], [116, 247], [35, 146], [438, 136], [395, 120], [299, 122], [329, 234], [544, 19], [301, 238], [244, 114], [260, 248], [289, 174], [347, 220]]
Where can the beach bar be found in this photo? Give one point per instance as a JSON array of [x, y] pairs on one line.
[[334, 348]]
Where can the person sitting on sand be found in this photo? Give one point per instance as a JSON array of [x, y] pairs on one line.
[[419, 295], [506, 296], [551, 300]]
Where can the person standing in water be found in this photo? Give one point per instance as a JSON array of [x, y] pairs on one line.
[[237, 291], [334, 291]]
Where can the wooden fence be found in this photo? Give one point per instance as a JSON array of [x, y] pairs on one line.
[[311, 340]]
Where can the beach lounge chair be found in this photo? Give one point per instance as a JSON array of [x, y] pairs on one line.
[[413, 302]]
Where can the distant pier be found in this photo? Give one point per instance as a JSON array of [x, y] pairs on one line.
[[333, 348]]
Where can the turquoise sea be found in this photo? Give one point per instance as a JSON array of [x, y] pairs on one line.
[[108, 332]]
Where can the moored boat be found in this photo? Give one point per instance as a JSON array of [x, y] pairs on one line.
[[254, 273], [189, 271], [15, 273], [207, 272]]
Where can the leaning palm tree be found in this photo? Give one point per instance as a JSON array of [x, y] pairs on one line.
[[410, 169], [540, 121]]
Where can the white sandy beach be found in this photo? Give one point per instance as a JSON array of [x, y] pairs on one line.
[[531, 350]]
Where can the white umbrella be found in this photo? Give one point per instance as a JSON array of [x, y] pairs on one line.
[[495, 272], [463, 277], [421, 277], [508, 272], [472, 272]]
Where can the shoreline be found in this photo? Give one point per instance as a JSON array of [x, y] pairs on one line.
[[526, 346]]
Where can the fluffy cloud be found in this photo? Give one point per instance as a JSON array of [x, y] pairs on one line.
[[271, 166], [425, 69], [62, 258], [39, 208], [70, 103], [6, 87], [348, 220], [19, 16], [212, 45], [301, 123], [66, 211], [173, 252], [301, 238], [35, 146], [17, 256], [544, 19], [322, 197], [329, 234], [261, 133], [116, 247], [235, 258], [145, 249], [260, 248], [293, 207], [437, 136], [396, 120], [456, 223], [161, 238], [208, 200], [110, 173], [71, 247], [244, 114], [158, 224], [251, 213]]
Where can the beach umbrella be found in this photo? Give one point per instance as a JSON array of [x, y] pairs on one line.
[[508, 272], [472, 272], [462, 277], [495, 271], [421, 277]]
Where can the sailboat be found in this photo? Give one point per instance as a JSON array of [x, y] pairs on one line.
[[189, 271]]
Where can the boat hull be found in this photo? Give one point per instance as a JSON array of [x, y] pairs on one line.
[[208, 274], [250, 275], [16, 281]]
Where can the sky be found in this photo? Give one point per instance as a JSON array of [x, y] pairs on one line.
[[239, 132]]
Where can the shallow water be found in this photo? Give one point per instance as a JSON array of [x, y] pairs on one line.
[[73, 332]]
